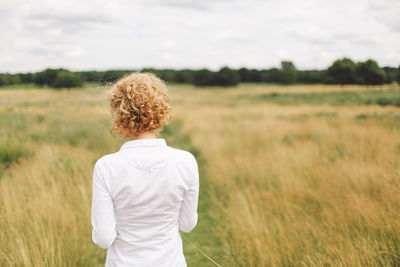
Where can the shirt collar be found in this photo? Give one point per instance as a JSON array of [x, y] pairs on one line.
[[148, 142]]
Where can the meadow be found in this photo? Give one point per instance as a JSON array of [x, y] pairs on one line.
[[303, 175]]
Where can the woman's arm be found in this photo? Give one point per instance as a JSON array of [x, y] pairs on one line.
[[188, 212], [103, 218]]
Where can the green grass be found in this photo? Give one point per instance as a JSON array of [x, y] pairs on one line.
[[12, 153], [204, 235], [21, 86], [367, 97], [36, 86]]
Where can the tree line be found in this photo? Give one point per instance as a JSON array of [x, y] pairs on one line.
[[342, 71]]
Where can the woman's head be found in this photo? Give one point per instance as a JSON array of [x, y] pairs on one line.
[[139, 103]]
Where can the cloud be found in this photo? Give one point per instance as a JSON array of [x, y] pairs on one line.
[[204, 5], [102, 34]]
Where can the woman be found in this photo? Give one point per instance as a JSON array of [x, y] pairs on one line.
[[147, 192]]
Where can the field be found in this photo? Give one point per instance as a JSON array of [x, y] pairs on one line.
[[289, 176]]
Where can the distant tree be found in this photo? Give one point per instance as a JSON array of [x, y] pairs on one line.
[[25, 77], [8, 79], [46, 77], [226, 77], [113, 75], [92, 76], [203, 77], [288, 72], [391, 74], [369, 73], [250, 75], [3, 80], [343, 71], [167, 75], [312, 76], [67, 79], [244, 75], [256, 75], [14, 79], [156, 72], [272, 75], [184, 76]]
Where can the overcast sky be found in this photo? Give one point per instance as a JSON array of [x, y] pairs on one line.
[[104, 34]]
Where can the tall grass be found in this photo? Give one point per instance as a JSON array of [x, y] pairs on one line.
[[48, 153], [307, 190], [49, 141], [281, 185]]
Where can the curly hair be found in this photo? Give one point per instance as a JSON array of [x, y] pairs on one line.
[[139, 102]]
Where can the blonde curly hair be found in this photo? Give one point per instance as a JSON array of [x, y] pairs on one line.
[[139, 102]]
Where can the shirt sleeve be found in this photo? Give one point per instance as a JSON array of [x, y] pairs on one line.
[[188, 213], [102, 217]]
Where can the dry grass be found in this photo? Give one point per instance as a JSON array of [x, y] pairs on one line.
[[288, 185], [302, 185], [45, 210]]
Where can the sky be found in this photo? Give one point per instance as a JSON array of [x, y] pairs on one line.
[[133, 34]]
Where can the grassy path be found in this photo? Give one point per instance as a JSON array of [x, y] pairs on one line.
[[204, 236]]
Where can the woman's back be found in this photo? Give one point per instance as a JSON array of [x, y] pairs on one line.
[[142, 196]]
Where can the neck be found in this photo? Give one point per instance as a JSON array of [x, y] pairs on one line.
[[145, 135]]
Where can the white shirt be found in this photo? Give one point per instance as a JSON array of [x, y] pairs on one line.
[[143, 195]]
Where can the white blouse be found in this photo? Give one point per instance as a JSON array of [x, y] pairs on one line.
[[143, 195]]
